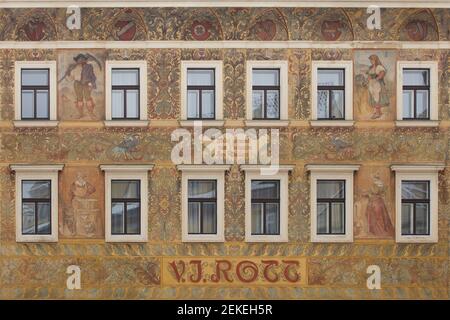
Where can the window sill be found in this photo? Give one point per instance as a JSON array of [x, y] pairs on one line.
[[276, 238], [417, 123], [266, 123], [416, 239], [331, 238], [35, 123], [36, 238], [203, 238], [126, 123], [204, 123], [332, 123], [126, 239]]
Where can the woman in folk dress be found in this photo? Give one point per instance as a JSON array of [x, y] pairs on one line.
[[378, 96]]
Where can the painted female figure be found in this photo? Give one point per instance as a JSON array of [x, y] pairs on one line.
[[378, 220], [378, 96]]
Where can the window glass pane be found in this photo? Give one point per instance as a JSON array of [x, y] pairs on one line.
[[322, 103], [337, 104], [34, 77], [199, 77], [42, 104], [117, 217], [257, 218], [44, 218], [330, 189], [194, 217], [28, 218], [266, 77], [117, 104], [408, 103], [422, 103], [322, 218], [132, 103], [125, 77], [205, 189], [415, 190], [35, 189], [265, 189], [272, 212], [407, 218], [193, 104], [415, 77], [125, 189], [209, 217], [27, 103], [257, 103], [337, 218], [208, 104], [273, 104], [133, 217], [330, 77], [422, 218]]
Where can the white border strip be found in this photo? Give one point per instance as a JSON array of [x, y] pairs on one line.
[[224, 3], [224, 44]]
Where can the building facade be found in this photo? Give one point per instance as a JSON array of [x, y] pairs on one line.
[[88, 181]]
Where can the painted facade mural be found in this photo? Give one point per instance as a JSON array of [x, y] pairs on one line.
[[297, 269]]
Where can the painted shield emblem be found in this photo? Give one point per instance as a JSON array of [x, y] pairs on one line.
[[200, 30], [126, 30], [417, 30], [266, 30], [35, 29], [331, 29]]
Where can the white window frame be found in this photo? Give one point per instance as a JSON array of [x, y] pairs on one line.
[[127, 172], [284, 92], [19, 65], [419, 173], [210, 172], [143, 109], [217, 65], [37, 172], [434, 93], [258, 172], [348, 94], [332, 172]]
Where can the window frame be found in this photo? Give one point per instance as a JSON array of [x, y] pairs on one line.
[[200, 88], [258, 172], [142, 119], [415, 202], [35, 202], [35, 88], [203, 172], [332, 172], [417, 173], [50, 121], [265, 89], [347, 66], [40, 173], [264, 201], [433, 112], [217, 66], [330, 201], [414, 89], [282, 66], [201, 200], [125, 202], [124, 89], [329, 89], [127, 172]]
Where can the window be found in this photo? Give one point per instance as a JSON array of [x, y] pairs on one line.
[[265, 207], [330, 207], [332, 103], [126, 202], [36, 202], [267, 92], [202, 207], [201, 92], [416, 189], [417, 93], [415, 207], [125, 206], [35, 93], [126, 98], [330, 94], [266, 203], [332, 202], [125, 94]]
